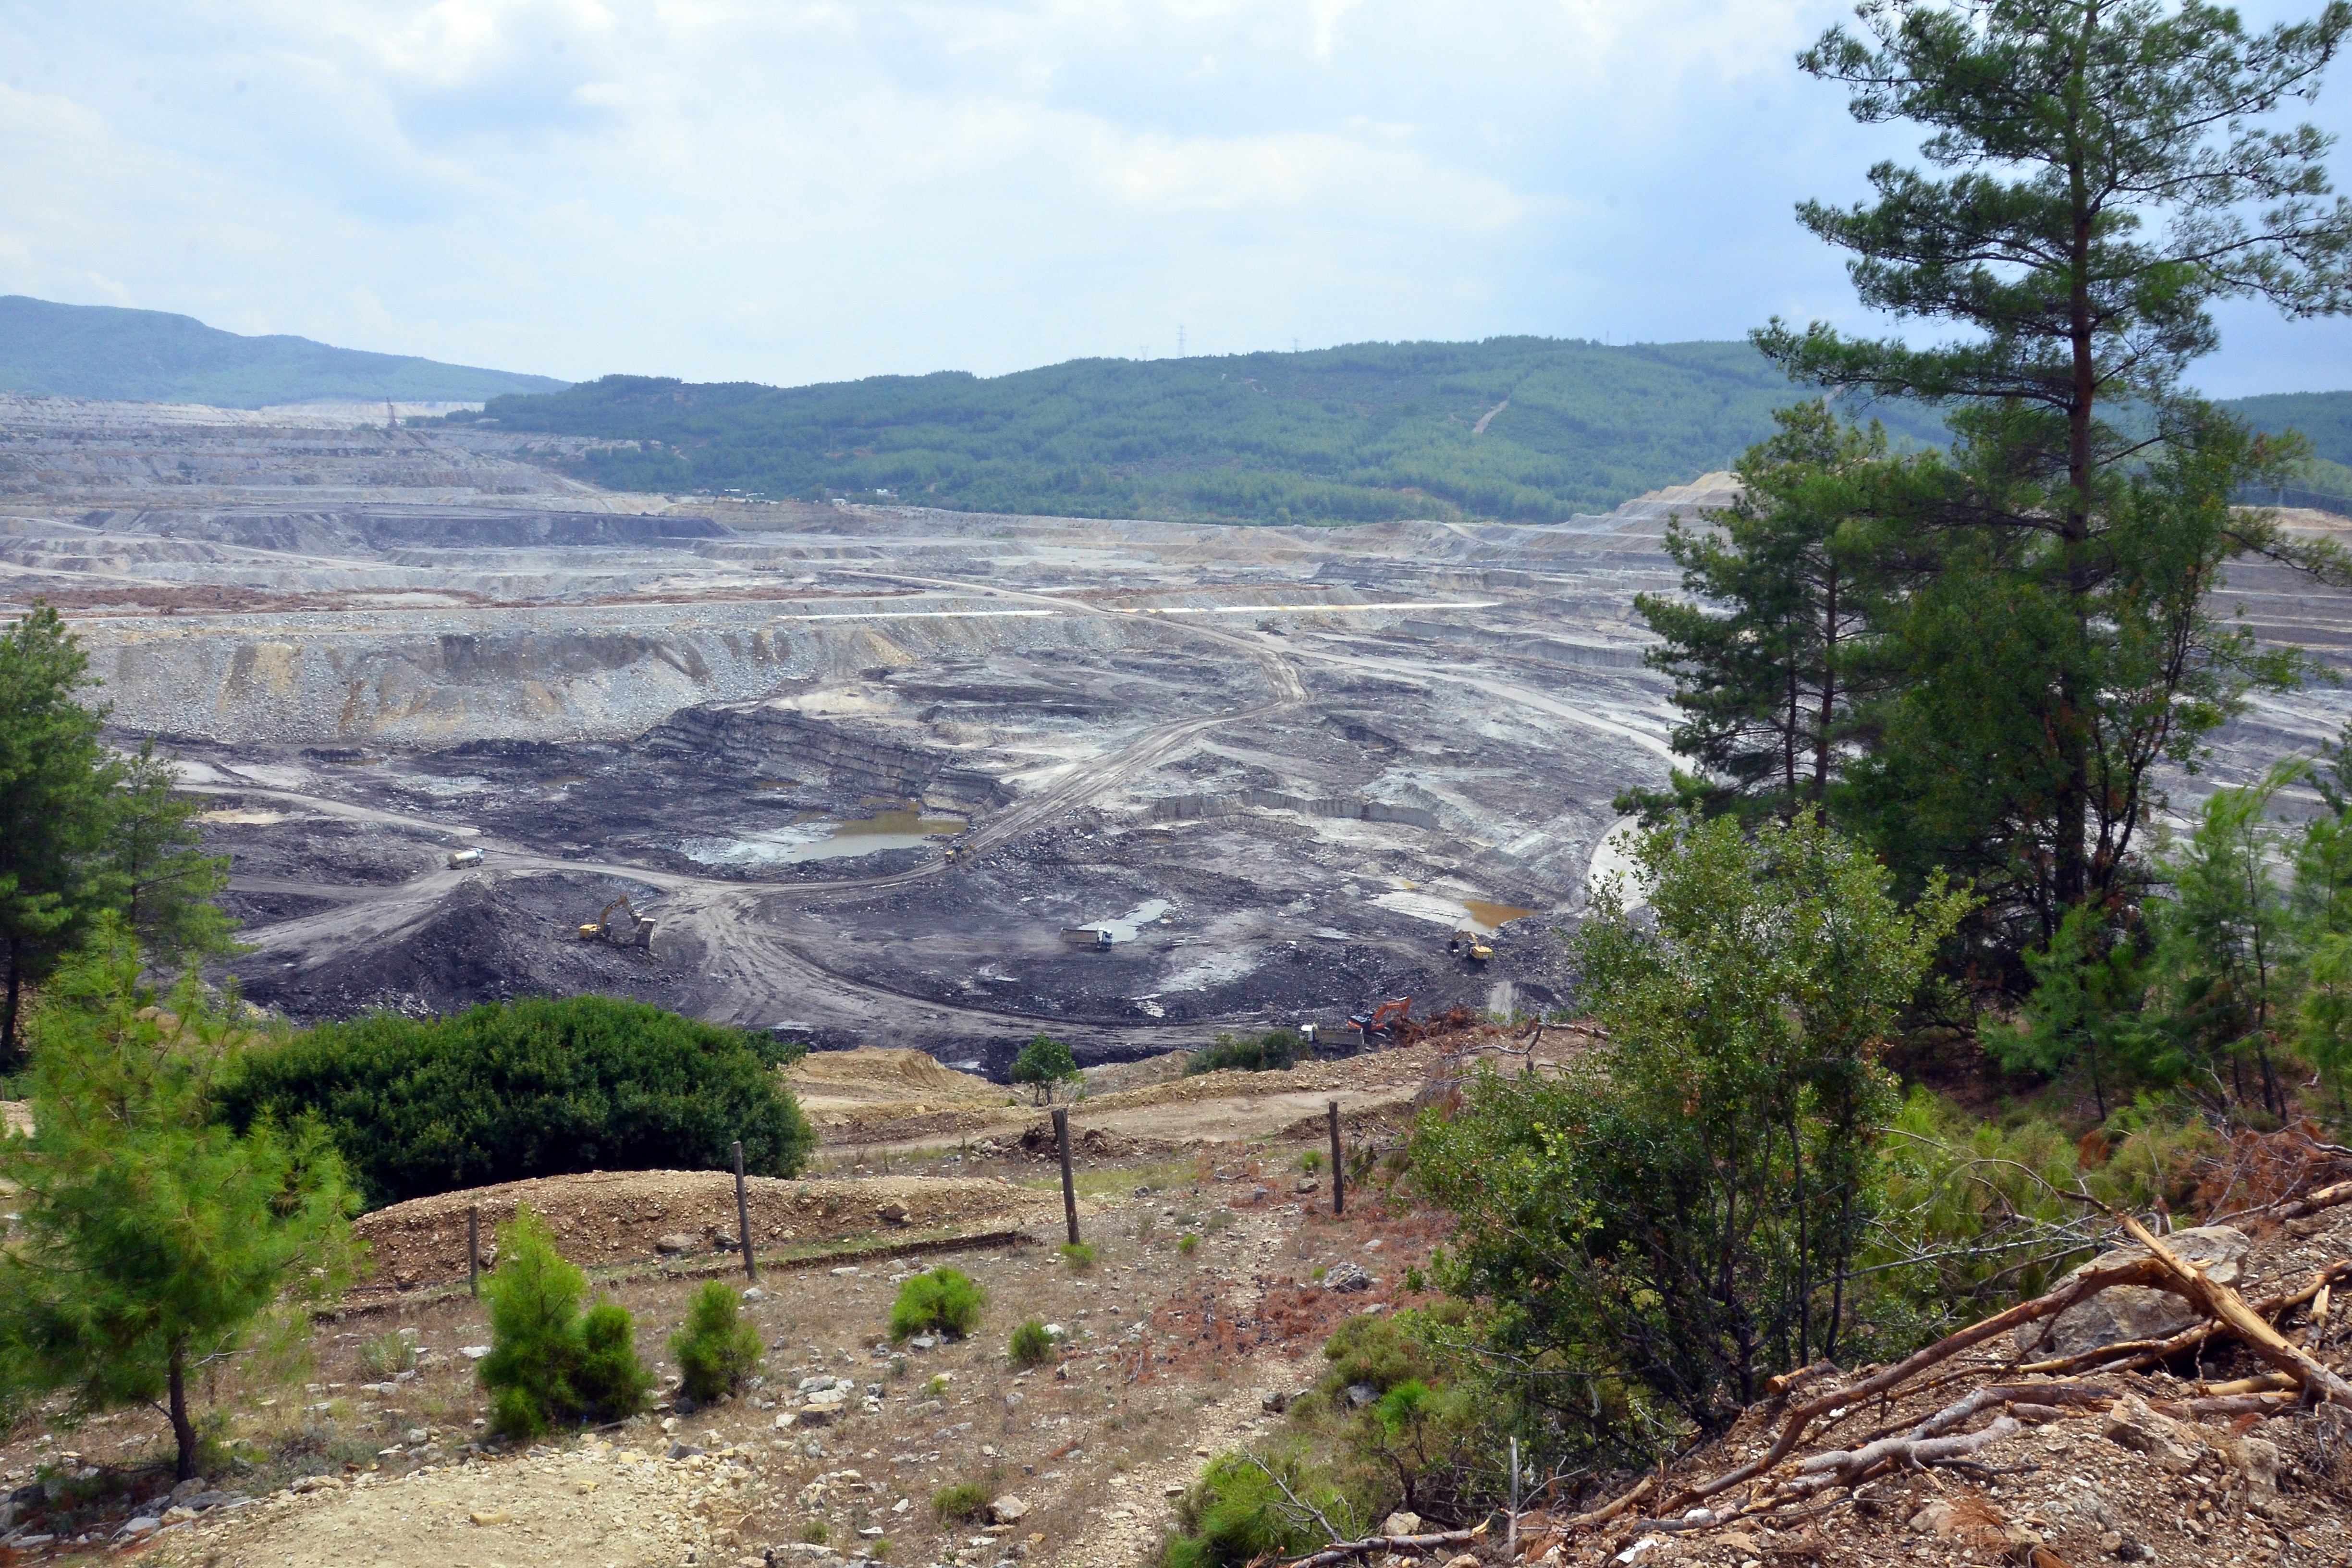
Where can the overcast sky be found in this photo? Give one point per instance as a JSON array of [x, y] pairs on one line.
[[786, 191]]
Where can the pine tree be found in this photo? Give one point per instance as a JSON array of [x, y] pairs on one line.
[[56, 779], [159, 874], [2107, 171], [152, 1241], [1770, 652]]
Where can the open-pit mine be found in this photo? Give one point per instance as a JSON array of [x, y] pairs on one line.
[[881, 776]]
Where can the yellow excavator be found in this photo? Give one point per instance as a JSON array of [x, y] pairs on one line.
[[1467, 943], [638, 931]]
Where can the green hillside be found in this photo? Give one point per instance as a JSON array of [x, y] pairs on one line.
[[1348, 434], [151, 356]]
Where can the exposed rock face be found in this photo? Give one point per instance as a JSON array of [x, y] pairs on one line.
[[2131, 1311]]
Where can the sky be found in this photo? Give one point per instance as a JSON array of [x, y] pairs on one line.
[[790, 191]]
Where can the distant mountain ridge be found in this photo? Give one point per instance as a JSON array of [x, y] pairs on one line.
[[1525, 429], [153, 356]]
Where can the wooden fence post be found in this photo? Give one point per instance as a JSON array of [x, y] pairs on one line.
[[1339, 1171], [473, 1250], [743, 1218], [1069, 1188]]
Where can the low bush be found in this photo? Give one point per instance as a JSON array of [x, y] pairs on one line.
[[1237, 1513], [944, 1299], [508, 1090], [387, 1353], [1271, 1052], [1188, 1244], [959, 1503], [548, 1361], [1031, 1344], [1078, 1255], [715, 1350]]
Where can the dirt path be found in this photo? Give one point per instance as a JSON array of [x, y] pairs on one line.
[[596, 1506]]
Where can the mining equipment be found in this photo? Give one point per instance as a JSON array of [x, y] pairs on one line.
[[638, 932], [1086, 936], [1467, 943], [461, 859], [1395, 1010]]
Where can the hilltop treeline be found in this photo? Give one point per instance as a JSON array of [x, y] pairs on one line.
[[1360, 434], [1364, 433]]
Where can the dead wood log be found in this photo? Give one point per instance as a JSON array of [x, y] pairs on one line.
[[2132, 1355], [1846, 1467], [1608, 1511], [2220, 1301], [2325, 1198], [1342, 1550], [2091, 1395], [1793, 1427], [2226, 1404]]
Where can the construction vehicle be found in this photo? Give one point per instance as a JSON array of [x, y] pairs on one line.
[[1086, 936], [461, 859], [1394, 1011], [1467, 943], [638, 931]]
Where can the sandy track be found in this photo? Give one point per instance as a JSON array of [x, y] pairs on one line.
[[596, 1506]]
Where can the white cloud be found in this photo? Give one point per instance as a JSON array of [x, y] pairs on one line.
[[790, 190]]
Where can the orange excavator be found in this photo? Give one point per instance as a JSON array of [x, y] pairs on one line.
[[1395, 1010]]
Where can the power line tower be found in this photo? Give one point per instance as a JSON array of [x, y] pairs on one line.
[[1180, 340], [1294, 346]]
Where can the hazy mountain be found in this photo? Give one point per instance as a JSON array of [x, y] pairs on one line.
[[153, 356]]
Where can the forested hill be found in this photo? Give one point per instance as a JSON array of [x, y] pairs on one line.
[[152, 356], [1532, 429], [1345, 434]]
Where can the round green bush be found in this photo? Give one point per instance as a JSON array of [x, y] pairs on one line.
[[944, 1299], [544, 1087], [715, 1350], [1031, 1344]]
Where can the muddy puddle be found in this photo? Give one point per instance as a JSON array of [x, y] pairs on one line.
[[1488, 916], [823, 838]]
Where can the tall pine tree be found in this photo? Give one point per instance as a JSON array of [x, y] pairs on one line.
[[2103, 171]]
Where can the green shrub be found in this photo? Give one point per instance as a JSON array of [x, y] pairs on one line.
[[715, 1350], [959, 1504], [944, 1299], [537, 1088], [1271, 1052], [1078, 1255], [1030, 1345], [1237, 1514], [815, 1531], [548, 1361], [1311, 1162], [1188, 1244]]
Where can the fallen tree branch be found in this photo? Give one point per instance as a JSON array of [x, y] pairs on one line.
[[2090, 1282], [2134, 1355], [2043, 1394], [2220, 1301], [1608, 1511], [2226, 1404], [1849, 1467], [1347, 1548]]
